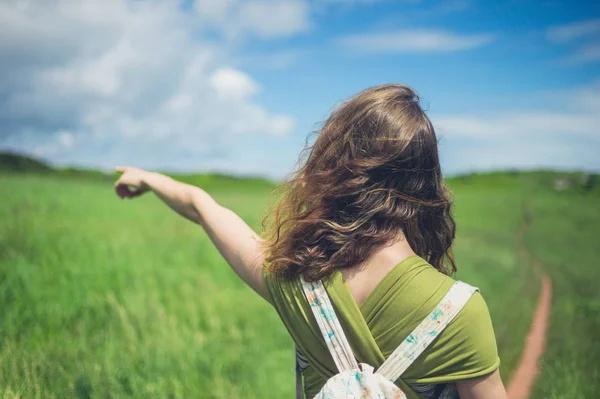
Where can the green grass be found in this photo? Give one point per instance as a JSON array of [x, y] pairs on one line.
[[105, 298], [102, 297], [565, 237], [488, 256]]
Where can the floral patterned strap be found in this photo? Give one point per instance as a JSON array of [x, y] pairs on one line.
[[330, 327], [416, 342]]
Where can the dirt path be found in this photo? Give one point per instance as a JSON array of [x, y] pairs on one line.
[[528, 368]]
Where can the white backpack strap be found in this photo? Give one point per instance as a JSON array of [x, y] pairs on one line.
[[329, 325], [410, 349]]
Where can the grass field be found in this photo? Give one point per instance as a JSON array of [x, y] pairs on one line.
[[104, 298], [565, 238]]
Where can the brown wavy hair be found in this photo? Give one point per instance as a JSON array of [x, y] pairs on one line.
[[372, 172]]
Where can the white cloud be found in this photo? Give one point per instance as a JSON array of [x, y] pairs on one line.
[[232, 84], [414, 41], [585, 54], [518, 154], [583, 34], [578, 114], [276, 60], [354, 2], [270, 18], [520, 124], [127, 81], [572, 31], [585, 98], [215, 10], [568, 137], [261, 18], [66, 139]]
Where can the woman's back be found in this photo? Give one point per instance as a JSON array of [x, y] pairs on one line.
[[396, 305]]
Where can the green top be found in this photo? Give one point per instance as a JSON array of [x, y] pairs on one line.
[[407, 294]]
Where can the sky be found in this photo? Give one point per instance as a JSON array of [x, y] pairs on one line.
[[239, 86]]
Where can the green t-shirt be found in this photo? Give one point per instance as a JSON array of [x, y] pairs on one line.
[[407, 294]]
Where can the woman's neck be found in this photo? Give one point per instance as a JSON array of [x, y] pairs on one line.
[[363, 278]]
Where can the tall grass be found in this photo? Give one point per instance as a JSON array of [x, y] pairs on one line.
[[565, 237], [105, 298]]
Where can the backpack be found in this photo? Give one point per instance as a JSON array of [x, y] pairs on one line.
[[361, 381]]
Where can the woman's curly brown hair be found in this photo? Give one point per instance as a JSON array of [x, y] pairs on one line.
[[372, 173]]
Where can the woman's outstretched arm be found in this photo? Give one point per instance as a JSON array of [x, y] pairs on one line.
[[240, 246]]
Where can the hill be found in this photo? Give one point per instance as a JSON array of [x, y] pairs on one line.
[[14, 162], [11, 162]]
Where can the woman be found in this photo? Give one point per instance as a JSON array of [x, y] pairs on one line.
[[369, 215]]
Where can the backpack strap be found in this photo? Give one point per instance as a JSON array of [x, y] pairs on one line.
[[424, 334], [330, 327]]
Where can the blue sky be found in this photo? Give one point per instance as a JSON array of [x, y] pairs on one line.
[[237, 86]]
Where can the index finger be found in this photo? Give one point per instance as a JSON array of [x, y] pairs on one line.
[[120, 169]]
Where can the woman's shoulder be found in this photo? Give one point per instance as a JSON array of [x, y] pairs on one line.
[[471, 338], [474, 320], [466, 348], [473, 324]]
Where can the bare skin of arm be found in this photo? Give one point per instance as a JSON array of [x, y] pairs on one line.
[[487, 387], [240, 246]]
